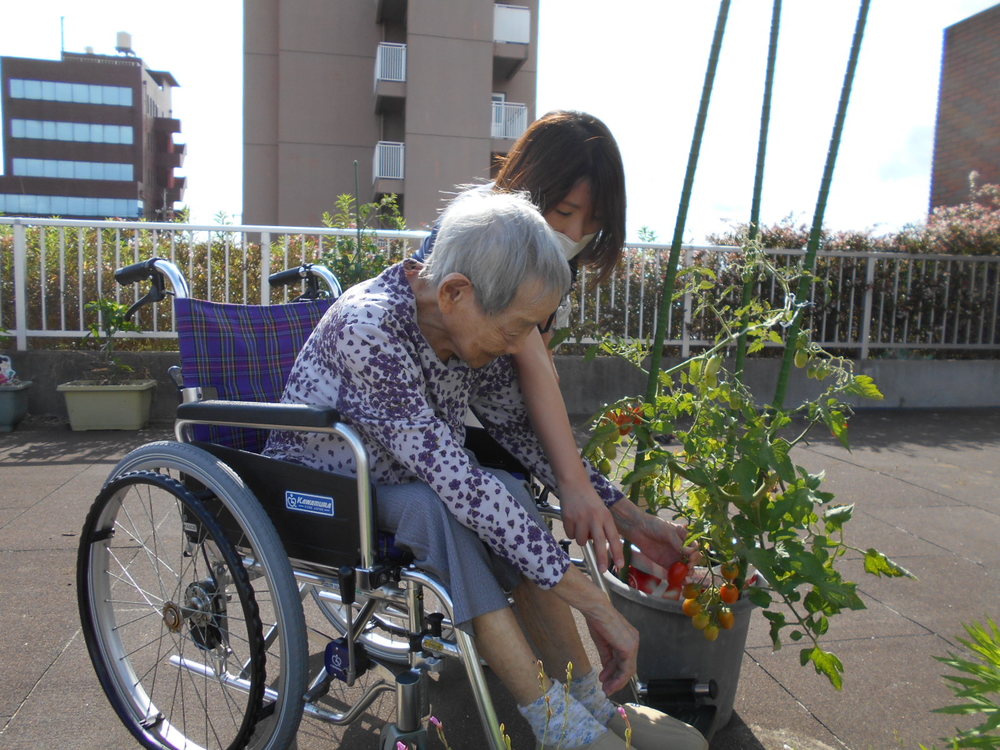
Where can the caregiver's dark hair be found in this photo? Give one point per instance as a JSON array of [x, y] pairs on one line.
[[552, 155]]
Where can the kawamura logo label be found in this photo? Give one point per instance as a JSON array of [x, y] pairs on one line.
[[302, 502]]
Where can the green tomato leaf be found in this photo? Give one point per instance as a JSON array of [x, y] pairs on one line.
[[878, 564], [864, 386], [825, 663], [837, 516], [642, 472]]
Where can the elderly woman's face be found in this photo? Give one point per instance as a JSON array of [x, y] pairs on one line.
[[479, 338]]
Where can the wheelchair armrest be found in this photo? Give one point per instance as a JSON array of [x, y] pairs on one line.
[[252, 413]]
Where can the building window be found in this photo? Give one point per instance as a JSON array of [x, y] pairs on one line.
[[78, 93], [73, 170], [61, 205], [79, 132]]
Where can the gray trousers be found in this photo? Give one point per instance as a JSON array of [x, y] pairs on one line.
[[477, 579]]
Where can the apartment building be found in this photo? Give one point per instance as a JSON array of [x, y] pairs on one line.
[[422, 94], [88, 136], [967, 135]]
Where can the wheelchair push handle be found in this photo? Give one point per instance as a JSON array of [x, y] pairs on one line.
[[136, 272], [157, 271], [313, 274]]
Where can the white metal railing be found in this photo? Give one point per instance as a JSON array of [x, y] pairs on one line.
[[50, 268], [388, 161], [862, 301], [390, 62], [511, 24], [510, 120]]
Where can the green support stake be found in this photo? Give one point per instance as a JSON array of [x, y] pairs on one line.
[[758, 180], [809, 262], [660, 332]]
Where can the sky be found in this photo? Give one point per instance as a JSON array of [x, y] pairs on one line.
[[637, 64]]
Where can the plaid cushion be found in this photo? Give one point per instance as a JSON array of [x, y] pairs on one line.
[[245, 352]]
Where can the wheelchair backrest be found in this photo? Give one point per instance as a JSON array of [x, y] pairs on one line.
[[242, 353]]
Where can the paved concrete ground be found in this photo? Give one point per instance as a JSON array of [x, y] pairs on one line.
[[924, 483]]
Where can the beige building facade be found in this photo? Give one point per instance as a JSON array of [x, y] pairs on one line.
[[422, 94]]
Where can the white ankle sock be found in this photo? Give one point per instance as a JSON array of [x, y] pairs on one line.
[[588, 691], [559, 720]]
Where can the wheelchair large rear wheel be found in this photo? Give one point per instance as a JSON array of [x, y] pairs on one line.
[[169, 617], [278, 599]]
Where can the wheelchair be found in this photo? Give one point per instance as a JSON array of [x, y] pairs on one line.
[[198, 555]]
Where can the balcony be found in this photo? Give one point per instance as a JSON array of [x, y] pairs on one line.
[[511, 39], [390, 77], [509, 120], [387, 167]]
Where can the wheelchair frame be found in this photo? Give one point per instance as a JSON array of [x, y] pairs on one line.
[[241, 579]]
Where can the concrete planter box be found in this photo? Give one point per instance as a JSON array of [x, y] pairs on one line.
[[108, 407], [13, 404]]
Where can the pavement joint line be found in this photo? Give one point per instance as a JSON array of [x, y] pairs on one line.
[[885, 474], [977, 563], [41, 500], [795, 698], [27, 697], [911, 533]]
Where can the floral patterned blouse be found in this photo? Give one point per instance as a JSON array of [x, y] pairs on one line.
[[369, 359]]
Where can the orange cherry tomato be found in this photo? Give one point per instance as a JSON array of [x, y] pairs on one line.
[[691, 590], [691, 607], [729, 593], [730, 570], [726, 619]]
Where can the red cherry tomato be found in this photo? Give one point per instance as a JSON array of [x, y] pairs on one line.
[[677, 573]]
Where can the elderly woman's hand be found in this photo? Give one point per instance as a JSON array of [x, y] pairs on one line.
[[616, 640], [660, 540], [585, 517]]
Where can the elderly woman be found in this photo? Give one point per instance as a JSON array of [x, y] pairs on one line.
[[402, 357]]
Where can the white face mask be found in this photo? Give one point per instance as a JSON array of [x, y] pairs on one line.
[[572, 248]]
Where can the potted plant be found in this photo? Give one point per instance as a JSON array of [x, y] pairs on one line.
[[110, 397], [702, 449], [13, 395]]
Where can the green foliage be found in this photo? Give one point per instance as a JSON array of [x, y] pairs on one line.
[[978, 685], [68, 267], [728, 468], [355, 259], [108, 319], [970, 228]]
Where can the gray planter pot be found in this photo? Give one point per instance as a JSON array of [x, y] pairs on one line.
[[13, 404], [108, 407], [671, 648]]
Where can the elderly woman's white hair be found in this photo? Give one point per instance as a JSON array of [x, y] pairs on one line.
[[498, 241]]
